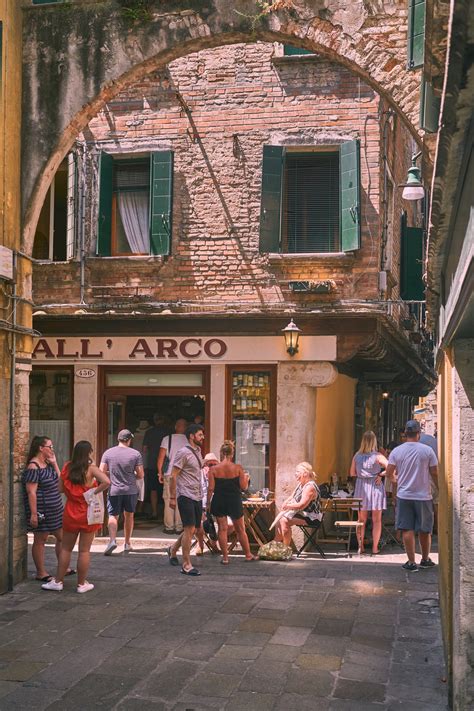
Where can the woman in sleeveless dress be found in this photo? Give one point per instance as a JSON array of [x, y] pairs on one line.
[[226, 483], [303, 506], [42, 500], [367, 465], [78, 477]]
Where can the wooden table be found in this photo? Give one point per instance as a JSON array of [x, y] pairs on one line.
[[256, 516]]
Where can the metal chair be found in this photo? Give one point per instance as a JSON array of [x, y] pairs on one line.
[[310, 531]]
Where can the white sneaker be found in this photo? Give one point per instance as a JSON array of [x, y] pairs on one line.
[[127, 548], [110, 548], [52, 585], [86, 587]]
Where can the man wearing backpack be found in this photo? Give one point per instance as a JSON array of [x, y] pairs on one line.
[[186, 495], [170, 445]]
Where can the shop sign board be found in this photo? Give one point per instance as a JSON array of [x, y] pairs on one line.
[[121, 349]]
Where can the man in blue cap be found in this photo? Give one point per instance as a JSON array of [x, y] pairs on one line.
[[412, 466]]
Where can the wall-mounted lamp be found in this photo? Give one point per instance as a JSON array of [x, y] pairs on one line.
[[292, 336], [413, 188]]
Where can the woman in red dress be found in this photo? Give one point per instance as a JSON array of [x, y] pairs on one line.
[[78, 477]]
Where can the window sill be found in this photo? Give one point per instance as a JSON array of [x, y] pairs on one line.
[[153, 257], [327, 257]]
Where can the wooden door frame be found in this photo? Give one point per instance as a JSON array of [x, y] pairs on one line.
[[104, 393]]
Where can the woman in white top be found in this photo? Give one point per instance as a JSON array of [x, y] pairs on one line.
[[303, 506]]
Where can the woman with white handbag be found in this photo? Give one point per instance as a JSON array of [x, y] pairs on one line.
[[83, 483]]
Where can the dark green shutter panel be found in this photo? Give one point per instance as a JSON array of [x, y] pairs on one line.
[[161, 201], [429, 108], [104, 232], [350, 195], [270, 208], [290, 51], [416, 33], [411, 263]]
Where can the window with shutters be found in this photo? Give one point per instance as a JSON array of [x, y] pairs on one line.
[[290, 51], [135, 205], [310, 210], [416, 33], [310, 199], [55, 231]]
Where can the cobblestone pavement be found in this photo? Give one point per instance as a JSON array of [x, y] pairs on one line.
[[308, 634]]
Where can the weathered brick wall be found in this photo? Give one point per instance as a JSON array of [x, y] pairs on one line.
[[240, 98]]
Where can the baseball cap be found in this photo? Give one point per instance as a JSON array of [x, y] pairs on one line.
[[412, 426], [124, 435], [211, 457]]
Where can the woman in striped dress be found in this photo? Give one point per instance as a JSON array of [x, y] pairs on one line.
[[367, 466], [43, 503]]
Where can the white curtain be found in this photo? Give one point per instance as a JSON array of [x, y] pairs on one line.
[[134, 212]]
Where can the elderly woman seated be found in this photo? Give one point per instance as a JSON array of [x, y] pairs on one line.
[[302, 507]]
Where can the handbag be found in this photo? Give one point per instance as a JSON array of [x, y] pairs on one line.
[[209, 526], [275, 551]]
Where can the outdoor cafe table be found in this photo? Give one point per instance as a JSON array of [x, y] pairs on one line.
[[258, 516]]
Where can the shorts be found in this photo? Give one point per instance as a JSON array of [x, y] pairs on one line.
[[190, 511], [151, 481], [121, 502], [414, 515]]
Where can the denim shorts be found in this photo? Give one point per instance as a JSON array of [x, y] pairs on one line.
[[414, 515], [121, 502], [190, 511]]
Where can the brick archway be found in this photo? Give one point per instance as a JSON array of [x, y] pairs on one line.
[[79, 57]]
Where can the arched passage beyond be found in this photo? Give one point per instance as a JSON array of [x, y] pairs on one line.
[[79, 57]]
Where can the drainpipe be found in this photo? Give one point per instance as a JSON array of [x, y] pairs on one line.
[[11, 497]]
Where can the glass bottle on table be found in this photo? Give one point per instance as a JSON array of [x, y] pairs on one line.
[[334, 485]]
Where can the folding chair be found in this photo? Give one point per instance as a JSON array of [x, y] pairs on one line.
[[347, 507], [310, 531]]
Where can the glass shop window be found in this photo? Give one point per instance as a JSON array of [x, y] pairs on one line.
[[251, 423], [51, 409]]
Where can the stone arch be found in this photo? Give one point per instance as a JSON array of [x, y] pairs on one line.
[[99, 53]]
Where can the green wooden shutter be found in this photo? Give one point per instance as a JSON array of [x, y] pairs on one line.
[[349, 156], [270, 208], [411, 262], [429, 108], [161, 201], [290, 51], [416, 33], [104, 232]]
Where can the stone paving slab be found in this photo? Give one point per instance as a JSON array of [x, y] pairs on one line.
[[339, 634]]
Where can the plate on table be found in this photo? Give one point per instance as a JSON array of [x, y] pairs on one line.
[[257, 500]]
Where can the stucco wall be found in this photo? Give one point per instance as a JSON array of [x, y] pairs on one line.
[[10, 103], [334, 441], [298, 385]]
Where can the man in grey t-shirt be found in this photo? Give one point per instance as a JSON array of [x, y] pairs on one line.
[[186, 493], [124, 466], [412, 466]]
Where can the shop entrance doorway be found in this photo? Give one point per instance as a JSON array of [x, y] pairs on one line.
[[131, 399]]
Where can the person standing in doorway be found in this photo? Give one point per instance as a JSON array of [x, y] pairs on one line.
[[123, 465], [170, 445], [412, 466], [186, 495], [151, 449]]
